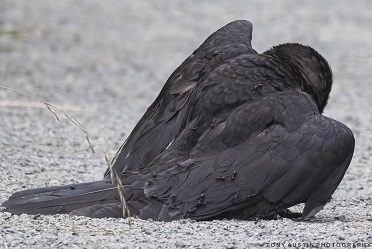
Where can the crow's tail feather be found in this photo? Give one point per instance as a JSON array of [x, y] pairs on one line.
[[87, 199]]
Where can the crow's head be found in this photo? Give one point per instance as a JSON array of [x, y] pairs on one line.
[[313, 74]]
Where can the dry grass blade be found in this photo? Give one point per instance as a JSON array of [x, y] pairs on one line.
[[119, 185], [52, 109], [114, 175], [78, 124]]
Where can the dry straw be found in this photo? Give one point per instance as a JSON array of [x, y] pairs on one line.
[[52, 109], [114, 176]]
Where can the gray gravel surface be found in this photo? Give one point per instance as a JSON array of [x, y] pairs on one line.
[[104, 62]]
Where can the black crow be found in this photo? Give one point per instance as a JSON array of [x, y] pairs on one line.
[[232, 134]]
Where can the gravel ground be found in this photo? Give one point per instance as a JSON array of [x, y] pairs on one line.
[[104, 62]]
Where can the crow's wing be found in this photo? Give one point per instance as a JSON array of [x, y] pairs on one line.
[[266, 156], [168, 115]]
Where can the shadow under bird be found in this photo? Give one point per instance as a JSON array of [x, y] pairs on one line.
[[232, 134]]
